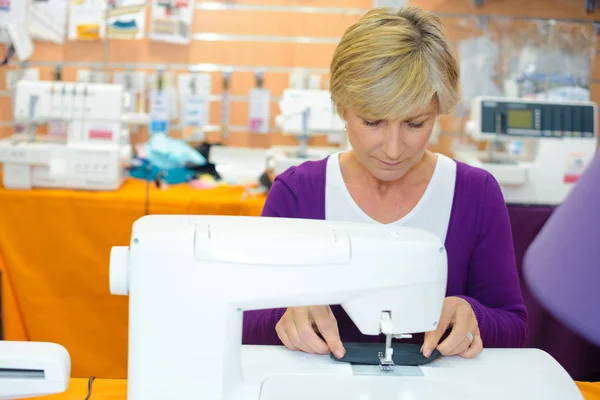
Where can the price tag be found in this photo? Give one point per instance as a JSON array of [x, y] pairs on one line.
[[195, 111], [194, 116], [159, 112], [259, 110]]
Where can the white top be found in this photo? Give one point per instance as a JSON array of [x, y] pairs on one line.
[[432, 212]]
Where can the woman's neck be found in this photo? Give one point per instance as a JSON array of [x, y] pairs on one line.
[[417, 175]]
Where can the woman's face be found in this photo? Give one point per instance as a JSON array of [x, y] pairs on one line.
[[388, 149]]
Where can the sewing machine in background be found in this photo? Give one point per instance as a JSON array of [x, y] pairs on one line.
[[186, 343], [92, 155], [304, 113], [536, 149], [33, 369]]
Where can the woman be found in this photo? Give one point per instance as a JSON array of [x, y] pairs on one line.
[[391, 75]]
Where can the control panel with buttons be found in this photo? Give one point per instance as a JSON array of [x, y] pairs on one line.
[[535, 119]]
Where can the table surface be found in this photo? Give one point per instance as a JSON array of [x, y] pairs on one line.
[[106, 389], [54, 256]]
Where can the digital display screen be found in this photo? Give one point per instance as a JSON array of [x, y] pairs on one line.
[[520, 119]]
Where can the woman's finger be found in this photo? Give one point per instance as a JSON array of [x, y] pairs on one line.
[[328, 328], [473, 329], [283, 336], [432, 338], [462, 321], [463, 346], [289, 326], [475, 349], [306, 333]]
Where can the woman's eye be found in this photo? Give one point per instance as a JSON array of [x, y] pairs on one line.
[[371, 123], [415, 125]]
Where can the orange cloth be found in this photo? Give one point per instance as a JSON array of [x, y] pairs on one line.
[[117, 390], [590, 390], [102, 389], [12, 320], [56, 246]]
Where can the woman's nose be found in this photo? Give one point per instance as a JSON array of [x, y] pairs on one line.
[[392, 145]]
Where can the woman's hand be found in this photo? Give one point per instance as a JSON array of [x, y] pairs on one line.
[[457, 312], [299, 326]]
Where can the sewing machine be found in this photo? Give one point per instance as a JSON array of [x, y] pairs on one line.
[[33, 369], [190, 278], [547, 145], [92, 155], [304, 113]]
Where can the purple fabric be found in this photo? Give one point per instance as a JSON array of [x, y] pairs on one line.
[[481, 260], [562, 265], [580, 358]]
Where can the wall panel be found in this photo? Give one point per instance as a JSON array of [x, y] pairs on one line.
[[249, 34]]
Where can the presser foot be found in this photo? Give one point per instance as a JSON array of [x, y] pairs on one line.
[[386, 362], [385, 365]]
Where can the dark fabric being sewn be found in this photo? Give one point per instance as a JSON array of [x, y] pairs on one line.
[[368, 353]]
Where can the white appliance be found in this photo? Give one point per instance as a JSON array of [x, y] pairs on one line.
[[547, 145], [96, 150], [190, 278], [20, 43], [304, 113], [31, 369], [238, 165]]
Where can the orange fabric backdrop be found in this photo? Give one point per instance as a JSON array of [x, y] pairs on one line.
[[56, 245], [12, 319]]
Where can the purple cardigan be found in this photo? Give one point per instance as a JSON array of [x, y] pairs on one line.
[[481, 259]]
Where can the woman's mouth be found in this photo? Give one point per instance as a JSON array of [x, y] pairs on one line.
[[390, 163]]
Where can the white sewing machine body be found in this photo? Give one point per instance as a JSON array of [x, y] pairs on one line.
[[31, 369], [304, 113], [95, 151], [189, 279], [496, 374], [559, 140]]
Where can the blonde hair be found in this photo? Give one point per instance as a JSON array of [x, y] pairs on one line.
[[391, 64]]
